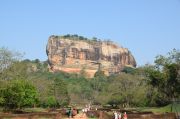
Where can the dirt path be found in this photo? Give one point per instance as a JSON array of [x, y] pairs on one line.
[[79, 116]]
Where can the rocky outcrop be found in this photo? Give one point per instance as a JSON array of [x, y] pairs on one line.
[[72, 54]]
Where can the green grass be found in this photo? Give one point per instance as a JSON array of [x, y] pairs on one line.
[[35, 110], [169, 108]]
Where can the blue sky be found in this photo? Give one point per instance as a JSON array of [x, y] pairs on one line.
[[146, 27]]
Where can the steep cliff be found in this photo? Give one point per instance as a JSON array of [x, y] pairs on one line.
[[73, 53]]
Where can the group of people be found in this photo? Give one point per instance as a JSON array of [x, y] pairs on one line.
[[72, 112], [119, 115], [87, 108]]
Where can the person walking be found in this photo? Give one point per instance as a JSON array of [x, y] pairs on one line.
[[119, 115], [115, 115], [70, 113], [125, 115]]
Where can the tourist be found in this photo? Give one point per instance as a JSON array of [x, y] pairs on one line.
[[115, 115], [84, 111], [119, 115], [70, 113], [125, 115]]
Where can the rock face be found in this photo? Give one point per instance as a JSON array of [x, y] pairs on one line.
[[72, 55]]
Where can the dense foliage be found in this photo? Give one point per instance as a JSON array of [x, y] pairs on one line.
[[165, 77], [18, 94], [28, 83]]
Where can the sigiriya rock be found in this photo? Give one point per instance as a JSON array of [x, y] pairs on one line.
[[72, 53]]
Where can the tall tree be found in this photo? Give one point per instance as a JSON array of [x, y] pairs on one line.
[[165, 75], [127, 90], [7, 57], [10, 65], [58, 91]]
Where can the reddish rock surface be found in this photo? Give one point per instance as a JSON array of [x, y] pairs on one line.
[[73, 55]]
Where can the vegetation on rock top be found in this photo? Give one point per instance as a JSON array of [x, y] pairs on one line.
[[81, 38]]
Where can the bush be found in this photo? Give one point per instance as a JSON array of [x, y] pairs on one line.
[[18, 94]]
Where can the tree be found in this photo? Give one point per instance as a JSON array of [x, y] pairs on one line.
[[2, 88], [165, 76], [79, 90], [17, 70], [10, 65], [94, 39], [58, 90], [18, 94], [99, 80], [51, 102], [98, 85], [128, 69], [127, 90], [37, 61], [7, 57], [114, 101]]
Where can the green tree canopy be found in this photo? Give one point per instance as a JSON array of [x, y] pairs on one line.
[[58, 92], [18, 94], [165, 75]]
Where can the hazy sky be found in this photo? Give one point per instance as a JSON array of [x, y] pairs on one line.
[[146, 27]]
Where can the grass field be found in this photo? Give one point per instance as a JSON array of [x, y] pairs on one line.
[[169, 108], [35, 110]]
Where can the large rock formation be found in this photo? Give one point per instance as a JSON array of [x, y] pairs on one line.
[[73, 53]]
